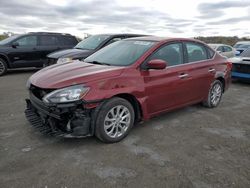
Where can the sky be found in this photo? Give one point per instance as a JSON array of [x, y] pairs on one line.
[[175, 18]]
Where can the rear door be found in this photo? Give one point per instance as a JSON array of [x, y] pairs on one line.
[[47, 44], [199, 58], [170, 87]]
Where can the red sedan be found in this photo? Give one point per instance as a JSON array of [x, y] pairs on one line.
[[126, 82]]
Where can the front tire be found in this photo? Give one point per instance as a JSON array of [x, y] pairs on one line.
[[114, 120], [214, 95], [3, 67]]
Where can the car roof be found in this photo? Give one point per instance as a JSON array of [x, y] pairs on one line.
[[48, 33], [218, 44], [163, 39], [121, 34], [243, 42]]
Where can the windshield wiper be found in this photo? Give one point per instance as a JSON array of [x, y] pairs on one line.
[[98, 63]]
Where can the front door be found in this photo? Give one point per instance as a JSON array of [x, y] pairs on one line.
[[25, 54]]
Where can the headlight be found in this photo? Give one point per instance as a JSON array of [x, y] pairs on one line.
[[64, 60], [68, 94]]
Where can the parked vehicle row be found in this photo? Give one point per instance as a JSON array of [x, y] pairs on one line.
[[30, 50], [224, 50], [86, 47], [125, 82]]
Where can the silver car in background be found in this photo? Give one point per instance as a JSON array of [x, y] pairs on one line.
[[224, 50]]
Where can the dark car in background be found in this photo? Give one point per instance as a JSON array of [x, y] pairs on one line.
[[31, 49], [86, 47], [241, 66]]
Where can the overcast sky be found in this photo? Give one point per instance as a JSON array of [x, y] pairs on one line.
[[186, 18]]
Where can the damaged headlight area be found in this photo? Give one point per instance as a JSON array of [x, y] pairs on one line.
[[61, 113], [65, 95]]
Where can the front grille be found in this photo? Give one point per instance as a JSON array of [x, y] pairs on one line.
[[241, 68], [39, 124], [39, 92]]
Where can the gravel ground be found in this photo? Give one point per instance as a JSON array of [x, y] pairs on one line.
[[190, 147]]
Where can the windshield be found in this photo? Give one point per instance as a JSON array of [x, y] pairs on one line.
[[7, 40], [241, 45], [121, 53], [245, 53], [244, 46], [91, 42]]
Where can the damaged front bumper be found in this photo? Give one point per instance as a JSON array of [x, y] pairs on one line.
[[64, 120]]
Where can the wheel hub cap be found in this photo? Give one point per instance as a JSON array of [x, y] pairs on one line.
[[216, 94], [117, 121]]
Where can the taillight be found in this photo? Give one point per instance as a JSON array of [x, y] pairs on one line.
[[229, 66]]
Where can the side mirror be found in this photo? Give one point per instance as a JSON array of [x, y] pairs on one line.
[[15, 44], [157, 64]]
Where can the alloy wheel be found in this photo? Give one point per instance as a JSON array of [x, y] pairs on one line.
[[216, 94], [2, 67], [117, 121]]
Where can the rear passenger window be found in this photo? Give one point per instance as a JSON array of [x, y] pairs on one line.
[[172, 54], [227, 49], [196, 52], [69, 40], [220, 49], [48, 40]]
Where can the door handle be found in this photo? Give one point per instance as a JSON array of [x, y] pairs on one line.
[[183, 75], [211, 70]]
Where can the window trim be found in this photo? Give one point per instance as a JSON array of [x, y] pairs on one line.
[[190, 63], [143, 65]]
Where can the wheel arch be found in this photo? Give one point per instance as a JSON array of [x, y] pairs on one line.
[[134, 102], [5, 58], [222, 80]]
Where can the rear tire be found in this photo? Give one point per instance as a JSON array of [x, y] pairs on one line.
[[3, 67], [214, 95], [114, 120]]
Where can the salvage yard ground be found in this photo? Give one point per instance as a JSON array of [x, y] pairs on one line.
[[190, 147]]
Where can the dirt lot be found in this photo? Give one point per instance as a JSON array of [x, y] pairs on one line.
[[191, 147]]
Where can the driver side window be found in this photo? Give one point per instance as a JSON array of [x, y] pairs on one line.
[[171, 53], [27, 41]]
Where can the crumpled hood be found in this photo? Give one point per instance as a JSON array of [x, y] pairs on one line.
[[71, 53], [67, 74]]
